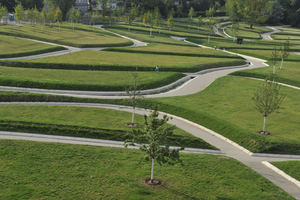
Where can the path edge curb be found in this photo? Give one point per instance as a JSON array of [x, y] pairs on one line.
[[282, 173]]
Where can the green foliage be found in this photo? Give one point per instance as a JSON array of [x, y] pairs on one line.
[[64, 5], [58, 15], [267, 97], [192, 13], [42, 16], [170, 22], [19, 12], [210, 12]]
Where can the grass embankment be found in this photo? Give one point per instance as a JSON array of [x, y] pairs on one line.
[[35, 170], [15, 47], [289, 167], [83, 80], [165, 49], [85, 122], [293, 34], [118, 61], [77, 38], [224, 107], [289, 74], [246, 32]]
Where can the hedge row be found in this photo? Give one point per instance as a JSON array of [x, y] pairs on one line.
[[171, 53], [252, 141], [128, 43], [104, 67], [85, 87], [85, 132], [34, 52], [263, 76]]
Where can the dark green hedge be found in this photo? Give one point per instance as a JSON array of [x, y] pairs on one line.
[[252, 141], [171, 53], [85, 87], [34, 52], [128, 43], [86, 132], [103, 67]]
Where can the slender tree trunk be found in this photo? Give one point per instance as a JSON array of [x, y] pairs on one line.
[[265, 119], [73, 26], [133, 111], [109, 22], [50, 23], [129, 27], [152, 170], [274, 69], [281, 63], [150, 31], [41, 28], [159, 30], [59, 25], [208, 38], [251, 25]]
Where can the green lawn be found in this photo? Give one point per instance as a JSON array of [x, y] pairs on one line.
[[289, 74], [34, 170], [83, 80], [293, 34], [85, 122], [246, 32], [16, 47], [289, 167], [111, 61], [165, 49], [77, 38], [226, 107]]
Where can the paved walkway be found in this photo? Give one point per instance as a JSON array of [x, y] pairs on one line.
[[197, 84], [254, 163]]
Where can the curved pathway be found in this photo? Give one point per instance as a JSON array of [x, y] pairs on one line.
[[254, 163], [197, 84]]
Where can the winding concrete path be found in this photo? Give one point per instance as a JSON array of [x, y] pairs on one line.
[[197, 84], [254, 163]]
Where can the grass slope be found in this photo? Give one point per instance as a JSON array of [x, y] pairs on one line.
[[16, 47], [34, 170], [246, 32], [289, 167], [82, 80], [118, 61], [290, 73], [82, 122], [77, 38]]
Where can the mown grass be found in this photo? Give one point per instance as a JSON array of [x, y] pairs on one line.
[[293, 34], [224, 107], [78, 38], [289, 74], [17, 47], [83, 122], [246, 32], [83, 80], [289, 167], [35, 170], [165, 49], [118, 61]]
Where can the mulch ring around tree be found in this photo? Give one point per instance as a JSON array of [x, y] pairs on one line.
[[132, 125], [156, 182], [264, 133]]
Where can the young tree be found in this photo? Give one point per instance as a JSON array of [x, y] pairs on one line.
[[19, 13], [210, 27], [199, 21], [179, 10], [133, 92], [58, 16], [156, 134], [51, 15], [285, 52], [210, 12], [72, 15], [36, 14], [274, 58], [267, 98], [3, 11], [78, 15], [151, 21], [42, 17], [30, 15], [170, 22], [145, 19], [192, 13], [64, 5], [235, 29]]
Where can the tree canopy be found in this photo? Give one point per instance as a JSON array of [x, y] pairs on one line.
[[64, 5]]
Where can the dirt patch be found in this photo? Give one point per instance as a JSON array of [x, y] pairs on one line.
[[132, 125], [264, 133], [156, 182]]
